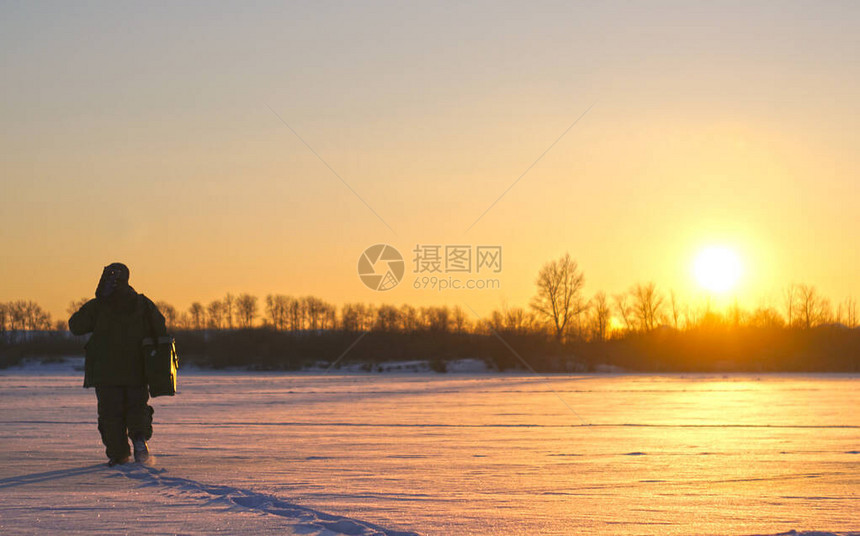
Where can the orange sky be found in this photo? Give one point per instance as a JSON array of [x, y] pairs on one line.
[[148, 136]]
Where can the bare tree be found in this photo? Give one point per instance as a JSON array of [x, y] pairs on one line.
[[329, 317], [387, 318], [850, 313], [576, 328], [316, 310], [278, 310], [701, 314], [311, 308], [246, 310], [432, 319], [812, 308], [625, 310], [25, 315], [559, 293], [459, 321], [600, 314], [183, 320], [674, 308], [169, 312], [215, 314], [439, 318], [272, 311], [495, 322], [357, 317], [766, 317], [517, 320], [846, 313], [647, 305], [4, 318], [39, 318], [735, 314], [197, 316], [75, 305], [789, 299], [408, 318], [367, 314], [17, 316], [349, 317], [424, 318], [296, 315], [229, 305]]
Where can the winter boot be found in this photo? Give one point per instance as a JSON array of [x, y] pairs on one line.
[[118, 461], [141, 451]]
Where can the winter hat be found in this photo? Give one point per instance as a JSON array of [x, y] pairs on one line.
[[121, 271]]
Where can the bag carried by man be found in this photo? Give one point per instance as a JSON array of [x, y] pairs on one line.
[[160, 362]]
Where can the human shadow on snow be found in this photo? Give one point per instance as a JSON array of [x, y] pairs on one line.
[[46, 476]]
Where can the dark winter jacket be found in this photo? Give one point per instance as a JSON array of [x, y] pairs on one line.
[[114, 353]]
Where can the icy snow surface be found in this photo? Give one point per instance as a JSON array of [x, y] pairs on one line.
[[436, 454]]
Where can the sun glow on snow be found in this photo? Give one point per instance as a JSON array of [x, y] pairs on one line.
[[717, 269]]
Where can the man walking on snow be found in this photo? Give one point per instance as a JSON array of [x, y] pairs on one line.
[[119, 319]]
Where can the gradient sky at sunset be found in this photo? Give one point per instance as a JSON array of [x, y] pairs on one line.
[[147, 133]]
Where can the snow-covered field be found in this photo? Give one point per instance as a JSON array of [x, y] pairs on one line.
[[257, 453]]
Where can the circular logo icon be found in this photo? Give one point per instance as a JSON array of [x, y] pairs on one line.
[[381, 267]]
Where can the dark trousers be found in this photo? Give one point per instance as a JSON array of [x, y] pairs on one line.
[[123, 413]]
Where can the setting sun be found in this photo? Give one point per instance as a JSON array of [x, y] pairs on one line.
[[605, 253], [717, 269]]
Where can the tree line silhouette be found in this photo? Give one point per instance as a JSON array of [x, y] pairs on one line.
[[643, 328]]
